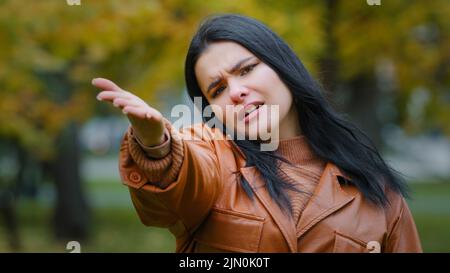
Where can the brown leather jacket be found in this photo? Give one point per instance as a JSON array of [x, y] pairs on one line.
[[192, 189]]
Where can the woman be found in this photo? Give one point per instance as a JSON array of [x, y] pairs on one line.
[[324, 188]]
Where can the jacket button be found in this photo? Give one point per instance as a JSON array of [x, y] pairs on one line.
[[135, 177]]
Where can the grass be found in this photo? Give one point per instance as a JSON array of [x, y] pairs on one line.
[[430, 207], [116, 227], [113, 230]]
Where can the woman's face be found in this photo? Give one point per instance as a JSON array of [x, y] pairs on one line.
[[244, 92]]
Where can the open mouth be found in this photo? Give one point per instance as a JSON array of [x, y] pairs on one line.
[[252, 109]]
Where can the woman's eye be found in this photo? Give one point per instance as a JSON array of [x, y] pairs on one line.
[[247, 69], [218, 91]]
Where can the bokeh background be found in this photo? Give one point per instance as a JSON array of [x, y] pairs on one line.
[[386, 66]]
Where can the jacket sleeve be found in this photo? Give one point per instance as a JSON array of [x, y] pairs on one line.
[[177, 190], [402, 236]]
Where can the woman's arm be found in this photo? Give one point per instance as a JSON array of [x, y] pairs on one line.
[[177, 187]]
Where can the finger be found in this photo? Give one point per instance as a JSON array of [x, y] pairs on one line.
[[105, 84], [121, 102], [111, 95], [135, 111], [153, 114]]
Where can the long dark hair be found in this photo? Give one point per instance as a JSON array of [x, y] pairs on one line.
[[330, 136]]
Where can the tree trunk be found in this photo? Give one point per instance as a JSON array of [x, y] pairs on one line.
[[362, 93], [362, 107], [329, 63], [71, 218], [11, 223]]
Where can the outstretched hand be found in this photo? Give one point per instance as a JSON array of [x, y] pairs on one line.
[[146, 121]]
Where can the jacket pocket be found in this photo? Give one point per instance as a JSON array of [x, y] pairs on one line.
[[226, 230], [347, 244]]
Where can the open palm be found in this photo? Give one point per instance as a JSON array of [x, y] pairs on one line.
[[146, 121]]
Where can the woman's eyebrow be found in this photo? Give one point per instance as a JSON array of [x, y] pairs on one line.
[[236, 67]]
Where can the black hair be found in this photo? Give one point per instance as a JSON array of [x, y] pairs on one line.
[[330, 136]]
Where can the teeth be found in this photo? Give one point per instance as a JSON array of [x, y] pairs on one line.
[[250, 109]]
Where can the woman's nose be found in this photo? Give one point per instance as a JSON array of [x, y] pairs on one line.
[[237, 92]]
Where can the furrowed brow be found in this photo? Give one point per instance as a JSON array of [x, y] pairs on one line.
[[236, 67]]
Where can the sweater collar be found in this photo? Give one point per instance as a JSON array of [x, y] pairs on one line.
[[296, 150]]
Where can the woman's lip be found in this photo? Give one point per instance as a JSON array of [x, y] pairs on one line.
[[252, 114], [241, 114], [256, 102]]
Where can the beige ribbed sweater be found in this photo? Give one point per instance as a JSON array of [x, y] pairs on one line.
[[306, 173]]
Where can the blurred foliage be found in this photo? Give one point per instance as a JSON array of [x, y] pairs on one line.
[[142, 45], [139, 44], [408, 43], [50, 51]]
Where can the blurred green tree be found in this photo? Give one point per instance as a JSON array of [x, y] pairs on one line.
[[53, 50], [380, 63], [390, 63]]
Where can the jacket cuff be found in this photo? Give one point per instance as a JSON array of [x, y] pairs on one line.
[[159, 171]]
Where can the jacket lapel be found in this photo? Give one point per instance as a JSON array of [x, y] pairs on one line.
[[284, 222], [328, 197]]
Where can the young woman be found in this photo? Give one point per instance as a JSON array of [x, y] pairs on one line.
[[325, 187]]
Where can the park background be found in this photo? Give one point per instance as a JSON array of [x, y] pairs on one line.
[[386, 66]]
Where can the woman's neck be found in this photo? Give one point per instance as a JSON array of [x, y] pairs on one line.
[[290, 125], [297, 150]]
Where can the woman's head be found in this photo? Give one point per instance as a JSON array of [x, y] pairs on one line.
[[220, 43], [241, 89], [272, 73]]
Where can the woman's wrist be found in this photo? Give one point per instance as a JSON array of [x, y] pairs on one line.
[[155, 151], [151, 143]]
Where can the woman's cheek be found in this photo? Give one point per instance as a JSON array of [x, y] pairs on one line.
[[266, 76]]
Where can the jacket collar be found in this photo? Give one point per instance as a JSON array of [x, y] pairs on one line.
[[328, 197]]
